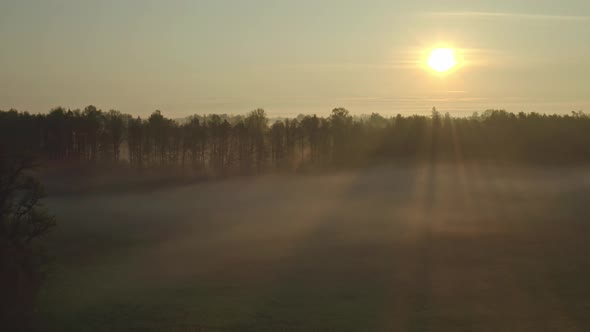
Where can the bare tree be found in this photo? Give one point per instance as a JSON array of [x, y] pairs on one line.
[[22, 219]]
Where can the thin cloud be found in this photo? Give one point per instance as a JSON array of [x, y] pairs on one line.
[[519, 16]]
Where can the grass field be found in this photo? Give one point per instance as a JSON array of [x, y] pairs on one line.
[[433, 248]]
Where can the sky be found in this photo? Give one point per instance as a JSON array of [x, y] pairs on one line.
[[291, 57]]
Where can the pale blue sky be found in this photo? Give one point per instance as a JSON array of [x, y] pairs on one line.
[[292, 57]]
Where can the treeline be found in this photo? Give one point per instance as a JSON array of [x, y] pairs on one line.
[[222, 144]]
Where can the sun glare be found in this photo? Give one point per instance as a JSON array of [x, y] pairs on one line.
[[442, 59]]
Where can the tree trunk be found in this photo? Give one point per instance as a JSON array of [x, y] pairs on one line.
[[19, 285]]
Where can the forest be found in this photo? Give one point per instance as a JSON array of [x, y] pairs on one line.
[[403, 223], [253, 143]]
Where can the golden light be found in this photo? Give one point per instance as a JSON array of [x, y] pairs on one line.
[[442, 59]]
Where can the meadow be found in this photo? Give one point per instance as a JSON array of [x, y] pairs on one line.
[[437, 247], [268, 166]]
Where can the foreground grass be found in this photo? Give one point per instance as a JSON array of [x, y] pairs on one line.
[[435, 248]]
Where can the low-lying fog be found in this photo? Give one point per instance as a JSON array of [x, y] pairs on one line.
[[447, 247]]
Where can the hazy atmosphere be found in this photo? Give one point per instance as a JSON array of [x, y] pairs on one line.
[[292, 57], [482, 248], [274, 165]]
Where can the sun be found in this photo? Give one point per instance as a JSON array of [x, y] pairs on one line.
[[442, 59]]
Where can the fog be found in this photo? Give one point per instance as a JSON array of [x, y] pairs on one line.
[[456, 247]]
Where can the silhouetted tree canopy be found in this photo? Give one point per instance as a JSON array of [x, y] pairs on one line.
[[222, 144], [22, 217]]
